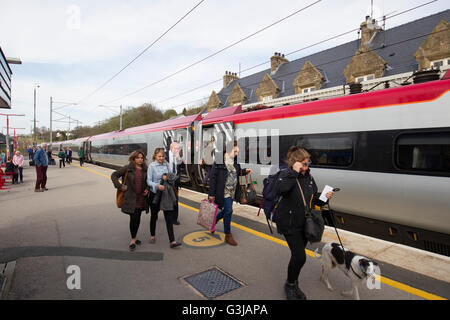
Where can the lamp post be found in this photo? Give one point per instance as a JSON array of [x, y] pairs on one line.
[[34, 130]]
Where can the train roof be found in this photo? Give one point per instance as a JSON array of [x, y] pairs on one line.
[[217, 115], [171, 124], [414, 93]]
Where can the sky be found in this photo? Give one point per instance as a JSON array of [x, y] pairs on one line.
[[70, 48]]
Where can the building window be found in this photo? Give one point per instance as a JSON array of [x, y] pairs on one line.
[[440, 63], [424, 152], [307, 90], [330, 150], [365, 78]]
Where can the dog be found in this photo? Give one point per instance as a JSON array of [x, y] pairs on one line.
[[357, 268]]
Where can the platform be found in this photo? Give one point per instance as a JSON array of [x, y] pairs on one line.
[[76, 223]]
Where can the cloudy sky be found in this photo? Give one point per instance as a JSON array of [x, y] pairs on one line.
[[70, 48]]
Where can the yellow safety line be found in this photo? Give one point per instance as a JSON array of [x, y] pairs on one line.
[[387, 281]]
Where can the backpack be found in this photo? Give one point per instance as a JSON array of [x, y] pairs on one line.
[[270, 200]]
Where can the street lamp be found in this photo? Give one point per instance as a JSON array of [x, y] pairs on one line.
[[34, 131]]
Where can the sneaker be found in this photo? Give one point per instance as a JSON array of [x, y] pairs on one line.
[[44, 189], [132, 247], [177, 223], [38, 190], [138, 242]]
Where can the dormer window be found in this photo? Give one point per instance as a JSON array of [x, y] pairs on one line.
[[365, 78], [266, 98], [308, 90], [440, 63]]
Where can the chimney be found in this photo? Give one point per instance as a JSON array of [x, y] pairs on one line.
[[228, 77], [368, 29], [276, 60]]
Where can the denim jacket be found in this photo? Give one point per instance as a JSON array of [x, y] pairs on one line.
[[154, 174]]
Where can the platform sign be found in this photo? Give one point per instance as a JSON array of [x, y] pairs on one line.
[[5, 82], [204, 239]]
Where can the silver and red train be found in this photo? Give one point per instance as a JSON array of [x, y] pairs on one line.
[[388, 151]]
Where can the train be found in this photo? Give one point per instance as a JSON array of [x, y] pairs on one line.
[[388, 151]]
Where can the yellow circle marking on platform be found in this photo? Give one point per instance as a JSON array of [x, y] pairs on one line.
[[204, 239]]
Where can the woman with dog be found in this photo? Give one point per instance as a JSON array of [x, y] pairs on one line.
[[290, 218], [136, 190], [156, 179]]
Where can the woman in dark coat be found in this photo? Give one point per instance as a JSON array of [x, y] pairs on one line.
[[290, 216], [136, 191], [224, 187]]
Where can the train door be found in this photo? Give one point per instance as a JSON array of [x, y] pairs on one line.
[[87, 150], [211, 142], [182, 136]]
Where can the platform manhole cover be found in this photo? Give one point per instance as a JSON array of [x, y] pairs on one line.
[[212, 283]]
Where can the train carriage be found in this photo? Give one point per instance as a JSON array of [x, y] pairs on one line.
[[388, 151]]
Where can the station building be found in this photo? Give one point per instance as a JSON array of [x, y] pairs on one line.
[[5, 82], [378, 59]]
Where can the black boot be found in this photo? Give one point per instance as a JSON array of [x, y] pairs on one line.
[[299, 292], [291, 291]]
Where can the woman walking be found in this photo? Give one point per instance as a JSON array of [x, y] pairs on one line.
[[136, 191], [224, 187], [156, 177], [18, 162], [290, 217]]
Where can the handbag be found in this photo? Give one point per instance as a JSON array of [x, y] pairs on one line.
[[120, 193], [207, 215], [248, 192], [314, 224]]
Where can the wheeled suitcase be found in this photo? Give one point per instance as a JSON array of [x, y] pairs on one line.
[[207, 215]]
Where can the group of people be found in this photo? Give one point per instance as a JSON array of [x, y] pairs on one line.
[[150, 188], [140, 195], [13, 166]]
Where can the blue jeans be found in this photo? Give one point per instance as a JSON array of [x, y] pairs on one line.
[[226, 213]]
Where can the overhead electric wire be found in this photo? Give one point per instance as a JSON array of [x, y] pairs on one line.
[[141, 53], [213, 54], [290, 53], [339, 59]]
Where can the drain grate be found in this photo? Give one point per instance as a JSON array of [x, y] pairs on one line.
[[213, 283]]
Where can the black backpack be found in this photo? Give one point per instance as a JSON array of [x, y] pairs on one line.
[[270, 200]]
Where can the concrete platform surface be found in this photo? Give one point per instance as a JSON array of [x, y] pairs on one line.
[[71, 242]]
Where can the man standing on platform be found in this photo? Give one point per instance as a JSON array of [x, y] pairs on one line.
[[81, 156], [174, 160], [41, 162]]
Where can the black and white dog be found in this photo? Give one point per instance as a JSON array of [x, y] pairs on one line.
[[356, 267]]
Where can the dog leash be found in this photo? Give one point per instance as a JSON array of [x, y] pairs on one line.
[[339, 238]]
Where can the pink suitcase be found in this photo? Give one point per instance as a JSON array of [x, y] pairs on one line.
[[207, 215]]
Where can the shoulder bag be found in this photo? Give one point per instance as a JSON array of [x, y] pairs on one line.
[[120, 193], [314, 224], [248, 192]]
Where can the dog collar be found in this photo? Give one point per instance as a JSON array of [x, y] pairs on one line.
[[362, 270]]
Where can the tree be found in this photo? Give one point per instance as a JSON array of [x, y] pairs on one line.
[[169, 114]]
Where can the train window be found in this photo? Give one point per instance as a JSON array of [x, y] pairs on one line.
[[424, 152], [119, 149], [328, 150]]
